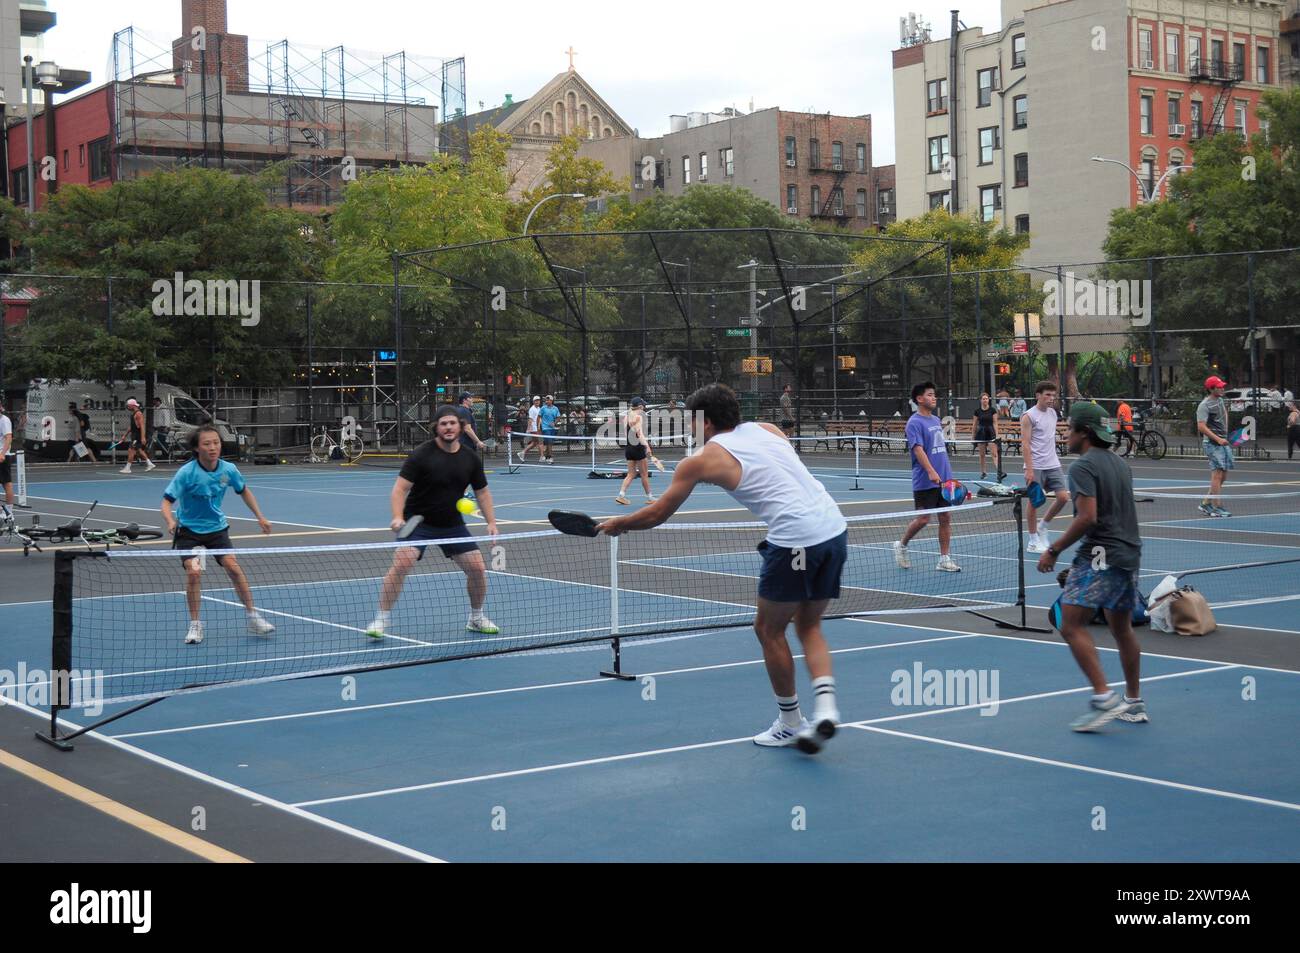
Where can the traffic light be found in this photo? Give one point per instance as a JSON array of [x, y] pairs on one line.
[[1002, 368]]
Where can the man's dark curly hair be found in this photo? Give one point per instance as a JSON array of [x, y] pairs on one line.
[[719, 404]]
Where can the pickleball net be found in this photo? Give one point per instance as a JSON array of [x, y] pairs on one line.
[[124, 616], [1250, 557]]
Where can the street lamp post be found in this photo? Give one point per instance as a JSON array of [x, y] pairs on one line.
[[1147, 196], [557, 195], [31, 178]]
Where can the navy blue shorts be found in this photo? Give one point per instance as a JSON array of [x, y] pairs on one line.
[[425, 531], [806, 574]]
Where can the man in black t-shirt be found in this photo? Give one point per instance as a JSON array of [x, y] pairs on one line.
[[465, 411], [432, 480]]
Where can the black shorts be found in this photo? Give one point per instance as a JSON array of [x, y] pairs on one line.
[[929, 499], [787, 424], [187, 539], [634, 451], [985, 436], [6, 470], [426, 532]]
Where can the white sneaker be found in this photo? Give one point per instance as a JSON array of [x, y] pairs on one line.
[[1036, 544], [621, 499], [125, 469], [151, 466], [259, 626], [900, 556], [379, 626], [194, 635], [813, 738], [650, 499], [781, 735], [482, 624], [947, 564]]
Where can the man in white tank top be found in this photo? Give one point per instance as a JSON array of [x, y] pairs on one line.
[[1042, 465], [802, 557]]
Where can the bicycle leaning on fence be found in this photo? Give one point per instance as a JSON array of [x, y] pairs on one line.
[[325, 447]]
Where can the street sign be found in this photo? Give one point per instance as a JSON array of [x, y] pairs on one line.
[[992, 354], [1020, 347], [747, 322], [738, 332]]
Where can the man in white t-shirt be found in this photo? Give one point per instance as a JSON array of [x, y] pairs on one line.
[[6, 463], [803, 555], [534, 430], [1038, 444]]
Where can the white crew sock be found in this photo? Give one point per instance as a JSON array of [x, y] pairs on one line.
[[790, 714], [824, 697]]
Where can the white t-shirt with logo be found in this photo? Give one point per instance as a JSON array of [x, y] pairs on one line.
[[1042, 438], [534, 413], [6, 428]]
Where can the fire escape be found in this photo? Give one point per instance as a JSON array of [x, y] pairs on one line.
[[833, 206], [1225, 75]]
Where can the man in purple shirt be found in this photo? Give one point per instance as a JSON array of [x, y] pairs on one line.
[[930, 468]]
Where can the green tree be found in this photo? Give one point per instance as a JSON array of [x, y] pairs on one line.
[[907, 297], [1239, 197], [566, 173], [101, 251]]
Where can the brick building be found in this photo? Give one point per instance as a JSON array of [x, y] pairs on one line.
[[812, 166]]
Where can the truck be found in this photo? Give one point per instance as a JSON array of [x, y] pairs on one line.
[[51, 429]]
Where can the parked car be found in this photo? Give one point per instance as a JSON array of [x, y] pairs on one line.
[[1243, 398]]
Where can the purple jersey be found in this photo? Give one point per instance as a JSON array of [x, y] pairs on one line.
[[927, 433]]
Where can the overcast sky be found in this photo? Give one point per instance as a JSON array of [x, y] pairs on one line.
[[674, 57]]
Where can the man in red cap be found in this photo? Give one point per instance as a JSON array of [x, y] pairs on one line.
[[1212, 424]]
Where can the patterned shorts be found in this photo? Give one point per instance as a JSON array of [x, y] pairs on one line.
[[1220, 457], [1112, 588]]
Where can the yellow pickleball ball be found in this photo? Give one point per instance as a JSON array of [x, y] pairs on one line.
[[466, 505]]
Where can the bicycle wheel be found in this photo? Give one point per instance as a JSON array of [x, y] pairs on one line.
[[1124, 444], [353, 448], [1154, 444], [320, 451]]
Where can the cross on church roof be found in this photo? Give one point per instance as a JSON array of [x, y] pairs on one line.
[[572, 53]]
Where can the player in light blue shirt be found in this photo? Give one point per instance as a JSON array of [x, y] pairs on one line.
[[191, 509], [549, 415]]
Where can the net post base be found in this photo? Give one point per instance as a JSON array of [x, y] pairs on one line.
[[616, 644], [1021, 626], [53, 738]]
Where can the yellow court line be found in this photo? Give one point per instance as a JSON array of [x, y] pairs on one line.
[[173, 835]]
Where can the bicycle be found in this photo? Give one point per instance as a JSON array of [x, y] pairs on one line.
[[76, 531], [11, 531], [323, 446], [1152, 443]]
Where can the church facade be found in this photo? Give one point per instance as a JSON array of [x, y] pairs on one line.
[[563, 106]]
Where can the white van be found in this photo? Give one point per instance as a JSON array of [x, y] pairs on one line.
[[52, 430]]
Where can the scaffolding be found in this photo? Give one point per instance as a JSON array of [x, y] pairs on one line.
[[320, 117]]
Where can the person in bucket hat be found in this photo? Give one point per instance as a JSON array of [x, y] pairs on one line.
[[1104, 572]]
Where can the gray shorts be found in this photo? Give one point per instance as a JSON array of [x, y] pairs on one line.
[[1051, 480]]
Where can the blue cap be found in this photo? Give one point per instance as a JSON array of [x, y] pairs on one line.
[[465, 395], [638, 402]]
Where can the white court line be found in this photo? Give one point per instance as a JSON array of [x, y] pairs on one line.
[[1059, 643], [607, 759], [154, 509], [1106, 772], [245, 792], [509, 691]]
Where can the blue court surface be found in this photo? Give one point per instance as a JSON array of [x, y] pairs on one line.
[[955, 744]]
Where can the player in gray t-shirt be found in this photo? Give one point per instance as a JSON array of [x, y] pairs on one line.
[[1212, 424], [1104, 573]]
